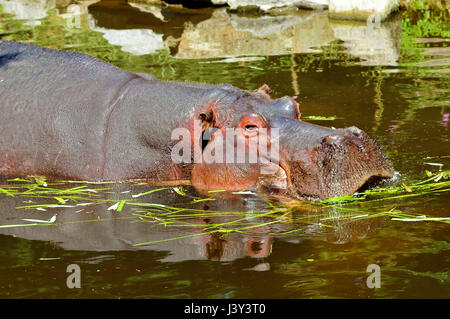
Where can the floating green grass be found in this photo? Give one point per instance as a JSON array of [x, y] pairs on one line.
[[296, 217], [319, 118], [436, 183]]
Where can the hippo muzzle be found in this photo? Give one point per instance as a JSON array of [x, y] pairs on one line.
[[321, 162]]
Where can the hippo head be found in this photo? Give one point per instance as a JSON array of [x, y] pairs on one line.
[[250, 141]]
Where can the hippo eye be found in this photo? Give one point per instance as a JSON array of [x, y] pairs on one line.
[[251, 127], [251, 124]]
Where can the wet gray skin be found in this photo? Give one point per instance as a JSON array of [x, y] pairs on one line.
[[59, 124]]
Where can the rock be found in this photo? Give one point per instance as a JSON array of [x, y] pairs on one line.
[[28, 10], [75, 9], [366, 10], [236, 36], [218, 2], [374, 44], [37, 9], [63, 3], [154, 9], [272, 4], [135, 41]]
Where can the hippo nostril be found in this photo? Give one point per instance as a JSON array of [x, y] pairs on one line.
[[330, 139], [355, 131]]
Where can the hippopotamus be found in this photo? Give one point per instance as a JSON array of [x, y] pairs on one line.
[[70, 115]]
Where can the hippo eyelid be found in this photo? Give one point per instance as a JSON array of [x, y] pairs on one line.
[[251, 127], [259, 118]]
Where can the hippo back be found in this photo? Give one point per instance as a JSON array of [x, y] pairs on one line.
[[55, 106]]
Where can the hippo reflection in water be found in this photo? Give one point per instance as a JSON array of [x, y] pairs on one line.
[[66, 114]]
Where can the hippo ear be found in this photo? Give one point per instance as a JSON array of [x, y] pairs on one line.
[[265, 89], [207, 119]]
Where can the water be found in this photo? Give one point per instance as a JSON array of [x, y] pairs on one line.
[[391, 81]]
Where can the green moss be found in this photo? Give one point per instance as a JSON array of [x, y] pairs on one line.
[[421, 21]]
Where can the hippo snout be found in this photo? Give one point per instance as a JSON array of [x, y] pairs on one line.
[[340, 164]]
